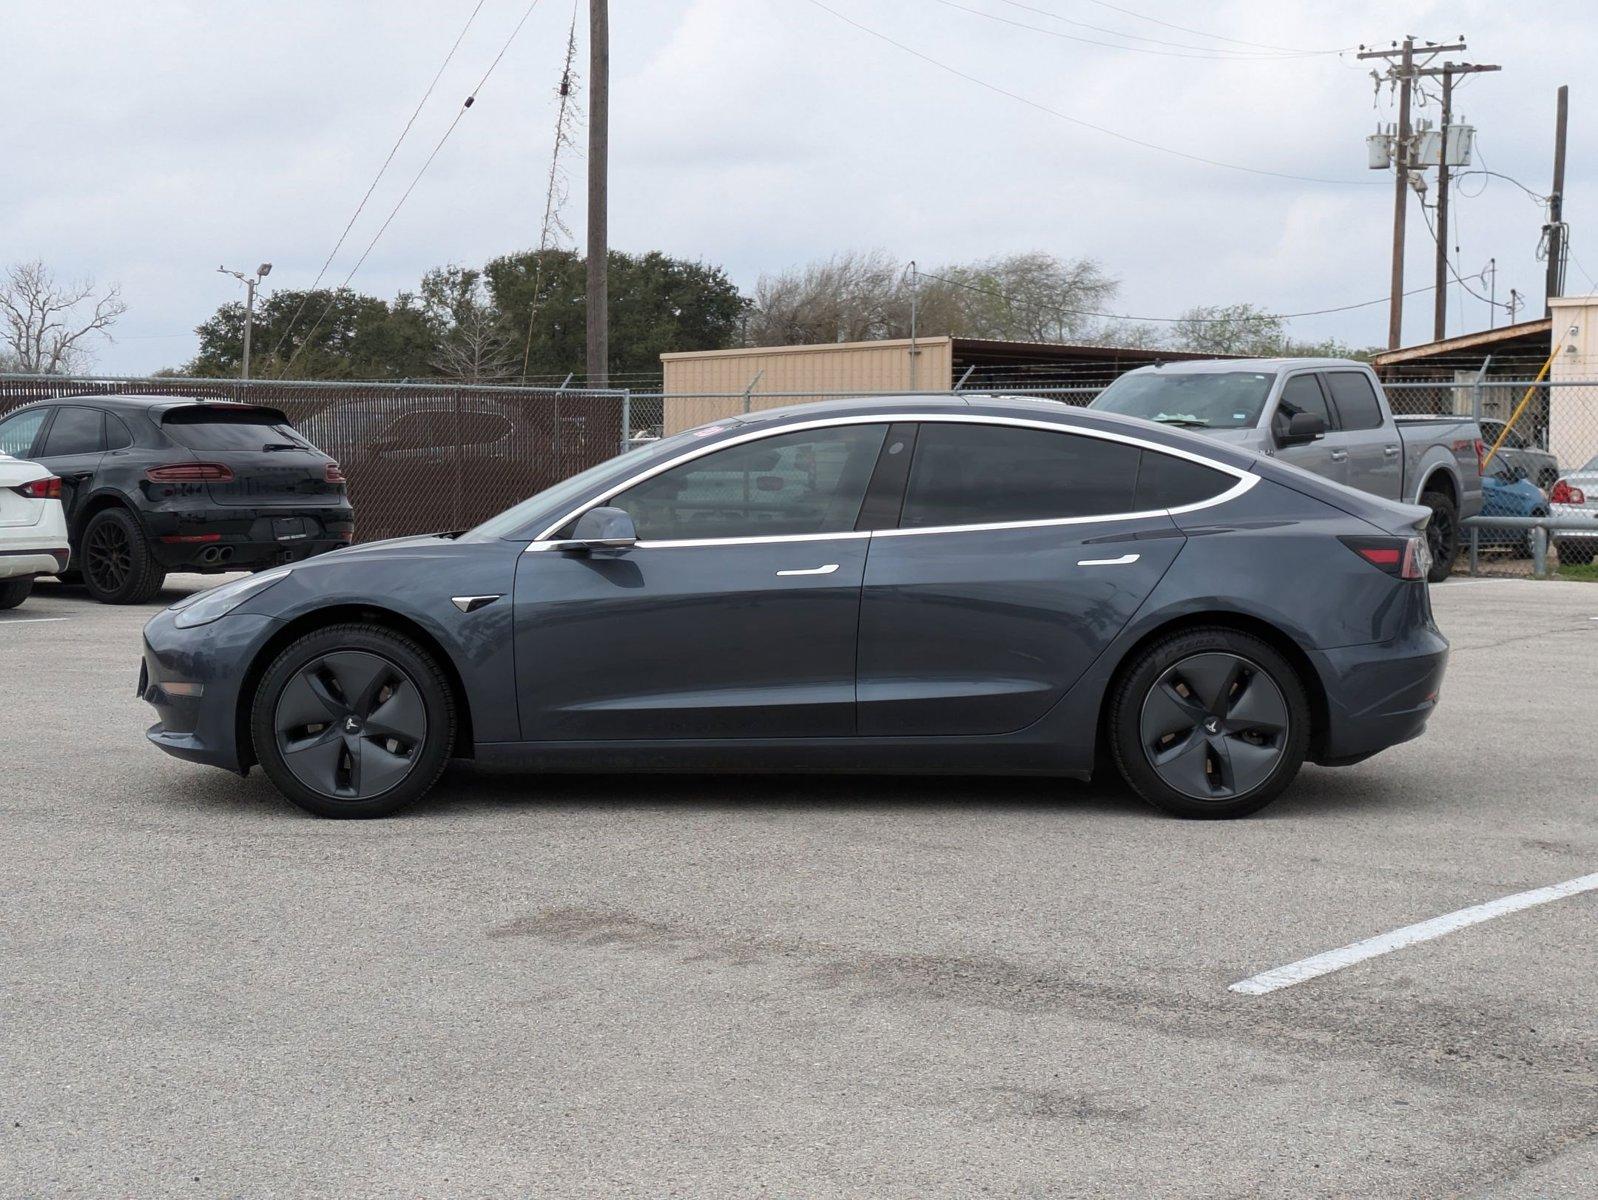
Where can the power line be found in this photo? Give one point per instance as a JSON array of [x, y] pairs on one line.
[[1431, 228], [1211, 54], [1083, 312], [1273, 51], [1054, 112], [1187, 29], [400, 203], [394, 149]]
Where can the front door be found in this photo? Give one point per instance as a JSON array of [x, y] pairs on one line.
[[1014, 565], [1326, 456], [735, 616]]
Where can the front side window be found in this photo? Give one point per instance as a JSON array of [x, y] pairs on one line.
[[792, 484], [1302, 394], [967, 474], [1355, 400], [75, 431], [18, 433]]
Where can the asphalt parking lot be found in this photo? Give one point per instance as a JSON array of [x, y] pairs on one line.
[[657, 986]]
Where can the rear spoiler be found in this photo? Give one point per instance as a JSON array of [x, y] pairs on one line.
[[203, 410]]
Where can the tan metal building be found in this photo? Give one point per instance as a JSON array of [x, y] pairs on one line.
[[703, 385]]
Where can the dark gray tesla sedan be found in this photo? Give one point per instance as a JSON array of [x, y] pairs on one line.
[[975, 585]]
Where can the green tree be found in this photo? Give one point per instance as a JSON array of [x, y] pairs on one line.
[[331, 335]]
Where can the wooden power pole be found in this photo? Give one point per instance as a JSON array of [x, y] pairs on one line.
[[1403, 73], [1446, 72], [1556, 205], [598, 332]]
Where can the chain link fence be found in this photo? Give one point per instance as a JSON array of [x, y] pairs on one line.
[[429, 456]]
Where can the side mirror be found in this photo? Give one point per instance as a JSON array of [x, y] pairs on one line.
[[1301, 427], [602, 529]]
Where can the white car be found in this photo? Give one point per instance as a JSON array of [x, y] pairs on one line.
[[1574, 500], [33, 528]]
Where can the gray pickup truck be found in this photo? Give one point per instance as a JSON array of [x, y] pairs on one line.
[[1327, 415]]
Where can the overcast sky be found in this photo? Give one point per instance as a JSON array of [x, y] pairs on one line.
[[147, 143]]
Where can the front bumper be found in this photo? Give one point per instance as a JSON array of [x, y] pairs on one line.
[[1381, 694], [193, 678]]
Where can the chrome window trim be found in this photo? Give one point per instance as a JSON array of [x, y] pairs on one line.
[[1245, 481]]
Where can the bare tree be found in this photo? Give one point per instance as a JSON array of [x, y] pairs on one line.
[[45, 325], [851, 297], [1230, 329]]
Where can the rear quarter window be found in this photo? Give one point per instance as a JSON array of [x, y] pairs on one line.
[[1165, 481]]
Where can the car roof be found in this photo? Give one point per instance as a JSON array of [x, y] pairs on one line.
[[1035, 408], [1207, 366], [151, 404]]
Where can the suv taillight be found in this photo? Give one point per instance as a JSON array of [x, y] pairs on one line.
[[40, 489], [334, 474], [1563, 493], [1481, 457], [1403, 558], [190, 473]]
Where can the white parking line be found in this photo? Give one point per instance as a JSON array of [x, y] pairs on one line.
[[1347, 956], [31, 620]]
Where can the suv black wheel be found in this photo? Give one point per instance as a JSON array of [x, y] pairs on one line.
[[353, 721], [1442, 534], [14, 591], [118, 567], [1209, 723]]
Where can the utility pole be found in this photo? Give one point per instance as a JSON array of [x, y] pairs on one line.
[[1440, 294], [598, 339], [1403, 73], [1556, 206], [249, 282]]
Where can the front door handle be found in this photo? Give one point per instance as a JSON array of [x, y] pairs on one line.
[[826, 570], [1339, 455], [1390, 451], [1124, 560]]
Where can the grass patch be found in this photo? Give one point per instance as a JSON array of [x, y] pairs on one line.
[[1583, 572]]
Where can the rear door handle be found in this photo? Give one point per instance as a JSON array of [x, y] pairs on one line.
[[826, 570], [1339, 455]]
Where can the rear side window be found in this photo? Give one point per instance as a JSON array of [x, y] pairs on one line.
[[1302, 394], [18, 433], [117, 435], [206, 428], [990, 474], [1165, 481], [74, 431], [1355, 399]]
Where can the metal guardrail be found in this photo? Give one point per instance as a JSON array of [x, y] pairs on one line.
[[1540, 528]]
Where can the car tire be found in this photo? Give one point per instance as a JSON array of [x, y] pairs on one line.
[[14, 591], [116, 560], [1160, 729], [1574, 552], [376, 766], [1442, 534]]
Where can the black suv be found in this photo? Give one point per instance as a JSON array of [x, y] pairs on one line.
[[153, 484]]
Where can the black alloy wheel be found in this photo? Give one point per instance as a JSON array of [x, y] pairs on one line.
[[117, 565], [1442, 534], [353, 721], [1209, 722]]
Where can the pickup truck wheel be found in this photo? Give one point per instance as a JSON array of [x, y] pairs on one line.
[[1442, 534]]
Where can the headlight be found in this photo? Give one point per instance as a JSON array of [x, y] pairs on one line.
[[204, 607]]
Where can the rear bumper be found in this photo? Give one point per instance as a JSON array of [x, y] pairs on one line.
[[1381, 694], [225, 538], [1584, 521], [16, 562]]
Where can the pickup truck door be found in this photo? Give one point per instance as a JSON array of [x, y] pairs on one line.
[[1326, 456], [1375, 450]]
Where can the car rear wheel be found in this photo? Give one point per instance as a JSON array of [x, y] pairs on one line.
[[1209, 723], [353, 721], [1442, 534], [1575, 552], [14, 591], [118, 566]]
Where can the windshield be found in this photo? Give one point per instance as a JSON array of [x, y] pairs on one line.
[[570, 491], [1211, 400]]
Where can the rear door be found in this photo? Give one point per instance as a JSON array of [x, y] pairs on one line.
[[74, 444], [1326, 456], [1019, 555], [1375, 453]]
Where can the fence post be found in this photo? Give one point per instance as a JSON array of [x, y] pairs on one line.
[[626, 419], [1475, 551], [455, 503], [1539, 553]]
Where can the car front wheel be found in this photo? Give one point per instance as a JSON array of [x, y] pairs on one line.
[[353, 721], [1209, 723]]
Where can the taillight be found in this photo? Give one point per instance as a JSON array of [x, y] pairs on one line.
[[1481, 457], [190, 473], [334, 474], [1563, 493], [40, 489], [1404, 558]]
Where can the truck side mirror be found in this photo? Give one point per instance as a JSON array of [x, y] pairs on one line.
[[1301, 427]]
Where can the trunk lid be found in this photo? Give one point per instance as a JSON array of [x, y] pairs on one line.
[[272, 463], [18, 511]]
